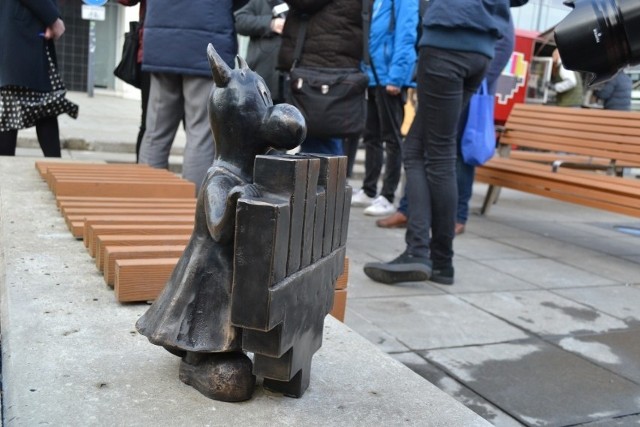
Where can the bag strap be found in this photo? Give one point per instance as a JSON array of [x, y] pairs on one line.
[[302, 34], [367, 6]]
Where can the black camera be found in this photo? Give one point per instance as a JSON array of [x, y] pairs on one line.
[[599, 37]]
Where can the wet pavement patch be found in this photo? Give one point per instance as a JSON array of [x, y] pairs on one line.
[[540, 384]]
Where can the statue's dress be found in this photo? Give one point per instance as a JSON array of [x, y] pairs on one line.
[[193, 312]]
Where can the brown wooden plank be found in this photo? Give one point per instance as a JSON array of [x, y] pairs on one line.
[[60, 200], [339, 304], [114, 253], [343, 279], [95, 230], [129, 188], [78, 223], [141, 279], [114, 240]]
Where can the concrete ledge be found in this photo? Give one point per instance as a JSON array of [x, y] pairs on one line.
[[71, 355]]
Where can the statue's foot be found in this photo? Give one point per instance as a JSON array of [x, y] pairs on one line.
[[220, 376]]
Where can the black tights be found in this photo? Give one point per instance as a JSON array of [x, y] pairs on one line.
[[48, 137]]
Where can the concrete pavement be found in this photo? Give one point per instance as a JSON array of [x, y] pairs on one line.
[[541, 326]]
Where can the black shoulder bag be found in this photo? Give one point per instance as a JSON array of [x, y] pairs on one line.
[[128, 69], [332, 100]]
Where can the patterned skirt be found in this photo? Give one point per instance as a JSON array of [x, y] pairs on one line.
[[21, 107]]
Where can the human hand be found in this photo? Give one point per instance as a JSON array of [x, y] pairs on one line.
[[392, 90], [55, 30], [277, 25]]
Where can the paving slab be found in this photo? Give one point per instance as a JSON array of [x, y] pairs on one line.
[[434, 321], [622, 302], [374, 334], [459, 391], [71, 355], [616, 351], [483, 249], [619, 269], [540, 384], [549, 273], [475, 276], [544, 313]]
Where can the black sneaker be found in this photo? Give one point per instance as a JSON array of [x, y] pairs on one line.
[[405, 268], [443, 276]]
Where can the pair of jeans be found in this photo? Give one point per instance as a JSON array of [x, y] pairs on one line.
[[385, 113], [446, 81], [322, 146]]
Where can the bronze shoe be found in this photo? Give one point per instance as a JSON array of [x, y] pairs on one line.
[[220, 376]]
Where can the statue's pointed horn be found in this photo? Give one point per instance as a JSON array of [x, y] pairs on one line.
[[219, 69], [242, 63]]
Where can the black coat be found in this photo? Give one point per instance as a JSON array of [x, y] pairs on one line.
[[334, 34], [254, 20], [23, 61]]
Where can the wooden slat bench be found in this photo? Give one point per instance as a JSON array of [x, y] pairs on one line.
[[151, 226], [570, 154]]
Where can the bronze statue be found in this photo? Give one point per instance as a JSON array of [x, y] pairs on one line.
[[260, 248]]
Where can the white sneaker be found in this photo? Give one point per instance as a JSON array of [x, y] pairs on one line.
[[361, 200], [380, 207]]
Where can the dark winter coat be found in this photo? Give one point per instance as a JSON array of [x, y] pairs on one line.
[[334, 34], [465, 25], [254, 20], [176, 35], [616, 93], [23, 61]]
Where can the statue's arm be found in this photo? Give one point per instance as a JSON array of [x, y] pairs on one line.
[[220, 206]]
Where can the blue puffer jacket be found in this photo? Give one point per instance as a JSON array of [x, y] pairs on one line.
[[393, 47], [465, 25], [176, 34]]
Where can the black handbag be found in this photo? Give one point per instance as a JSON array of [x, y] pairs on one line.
[[128, 69], [332, 100]]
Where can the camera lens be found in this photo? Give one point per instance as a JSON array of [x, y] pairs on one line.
[[599, 36]]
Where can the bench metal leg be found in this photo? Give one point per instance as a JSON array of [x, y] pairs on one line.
[[493, 192]]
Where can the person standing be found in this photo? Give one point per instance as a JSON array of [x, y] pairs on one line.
[[392, 41], [458, 41], [616, 93], [176, 35], [31, 91], [333, 40], [565, 83], [261, 22]]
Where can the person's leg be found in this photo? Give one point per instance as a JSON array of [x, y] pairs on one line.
[[145, 83], [8, 142], [322, 146], [374, 153], [49, 136], [199, 150], [465, 174], [449, 80], [393, 153], [164, 112], [350, 149]]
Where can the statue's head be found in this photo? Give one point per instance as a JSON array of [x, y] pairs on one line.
[[241, 111]]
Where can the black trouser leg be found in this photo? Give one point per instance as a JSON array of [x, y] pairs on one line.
[[48, 136], [8, 141], [145, 83]]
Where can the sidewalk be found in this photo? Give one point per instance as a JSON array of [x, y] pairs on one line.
[[542, 326]]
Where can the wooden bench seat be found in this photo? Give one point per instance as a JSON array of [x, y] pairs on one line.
[[599, 143]]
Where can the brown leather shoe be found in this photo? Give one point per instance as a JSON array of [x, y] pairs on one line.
[[459, 228], [395, 220]]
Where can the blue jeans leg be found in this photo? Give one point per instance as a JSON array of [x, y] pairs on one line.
[[322, 146]]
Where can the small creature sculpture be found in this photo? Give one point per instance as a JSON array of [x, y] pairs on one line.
[[192, 316]]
